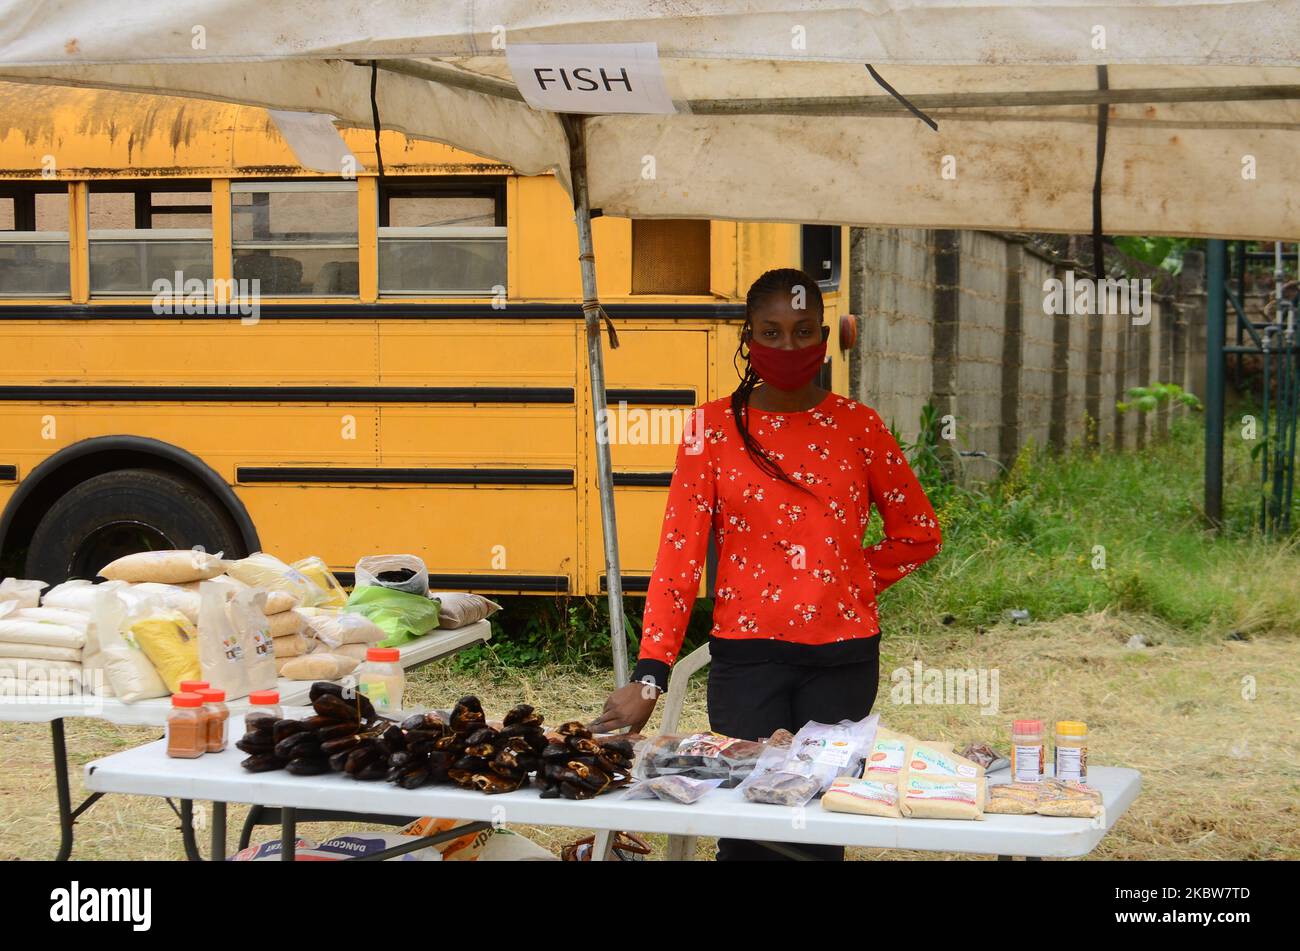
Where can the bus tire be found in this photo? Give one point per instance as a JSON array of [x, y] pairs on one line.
[[124, 511]]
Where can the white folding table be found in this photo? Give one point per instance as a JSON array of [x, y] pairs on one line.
[[54, 710], [147, 770]]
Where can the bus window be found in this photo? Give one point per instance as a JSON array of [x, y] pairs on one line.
[[34, 242], [148, 233], [440, 240], [670, 256], [821, 254], [296, 238]]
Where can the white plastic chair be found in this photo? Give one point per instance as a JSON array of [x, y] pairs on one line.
[[681, 848]]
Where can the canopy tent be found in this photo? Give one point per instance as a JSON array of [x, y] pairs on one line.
[[1195, 105]]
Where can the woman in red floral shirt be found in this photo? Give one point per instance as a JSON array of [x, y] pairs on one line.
[[784, 474]]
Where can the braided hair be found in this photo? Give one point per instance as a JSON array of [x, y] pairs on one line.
[[786, 281]]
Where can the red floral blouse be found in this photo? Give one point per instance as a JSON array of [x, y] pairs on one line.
[[794, 581]]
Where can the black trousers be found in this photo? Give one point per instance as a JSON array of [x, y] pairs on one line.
[[752, 701]]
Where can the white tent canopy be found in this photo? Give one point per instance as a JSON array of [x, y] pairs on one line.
[[778, 119]]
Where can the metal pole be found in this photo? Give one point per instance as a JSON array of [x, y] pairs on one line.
[[591, 311], [1216, 271]]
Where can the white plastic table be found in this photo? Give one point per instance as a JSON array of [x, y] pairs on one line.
[[435, 645], [147, 770]]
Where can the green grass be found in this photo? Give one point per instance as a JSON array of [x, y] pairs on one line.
[[1029, 541], [1083, 531]]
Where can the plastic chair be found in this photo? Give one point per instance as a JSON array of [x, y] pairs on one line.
[[680, 847]]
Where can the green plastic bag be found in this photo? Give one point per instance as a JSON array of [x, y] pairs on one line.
[[401, 615]]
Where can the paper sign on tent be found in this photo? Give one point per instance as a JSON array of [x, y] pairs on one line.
[[314, 141], [590, 77]]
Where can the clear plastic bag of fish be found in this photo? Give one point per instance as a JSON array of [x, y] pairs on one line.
[[697, 756], [681, 789], [819, 754]]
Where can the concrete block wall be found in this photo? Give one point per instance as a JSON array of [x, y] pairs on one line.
[[957, 319]]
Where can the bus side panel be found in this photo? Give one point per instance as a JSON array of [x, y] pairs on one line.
[[666, 356]]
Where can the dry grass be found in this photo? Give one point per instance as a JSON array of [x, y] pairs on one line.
[[1220, 774]]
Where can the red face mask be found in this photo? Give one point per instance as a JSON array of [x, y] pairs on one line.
[[786, 369]]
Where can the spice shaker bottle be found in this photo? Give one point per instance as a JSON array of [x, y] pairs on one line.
[[1071, 764], [214, 702], [187, 727], [1027, 751]]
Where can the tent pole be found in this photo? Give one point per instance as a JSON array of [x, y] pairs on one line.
[[592, 313]]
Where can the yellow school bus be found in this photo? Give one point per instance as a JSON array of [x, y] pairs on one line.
[[205, 343]]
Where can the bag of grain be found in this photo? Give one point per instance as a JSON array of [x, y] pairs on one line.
[[317, 666], [456, 609], [335, 629], [165, 567], [290, 646], [170, 641], [939, 784], [318, 572], [22, 677], [26, 592], [260, 570], [864, 797], [20, 630], [287, 624], [129, 672], [169, 595], [48, 615], [78, 595]]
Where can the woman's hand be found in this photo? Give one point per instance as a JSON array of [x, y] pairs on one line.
[[629, 705]]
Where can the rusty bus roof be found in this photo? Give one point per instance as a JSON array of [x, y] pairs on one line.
[[82, 133]]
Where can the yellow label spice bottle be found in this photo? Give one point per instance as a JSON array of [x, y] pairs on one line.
[[1071, 751]]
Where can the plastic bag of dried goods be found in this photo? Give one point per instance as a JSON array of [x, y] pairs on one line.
[[887, 755], [127, 668], [818, 754], [170, 640], [1073, 799], [75, 619], [1013, 799], [221, 655], [680, 789], [315, 569], [171, 595], [316, 666], [457, 610], [26, 592], [21, 630], [941, 797], [697, 755], [287, 623], [863, 797], [78, 595], [289, 646], [402, 616], [260, 570], [176, 566], [397, 572], [337, 629]]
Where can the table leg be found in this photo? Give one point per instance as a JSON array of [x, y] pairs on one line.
[[218, 832], [288, 833], [187, 831], [251, 821], [64, 790]]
